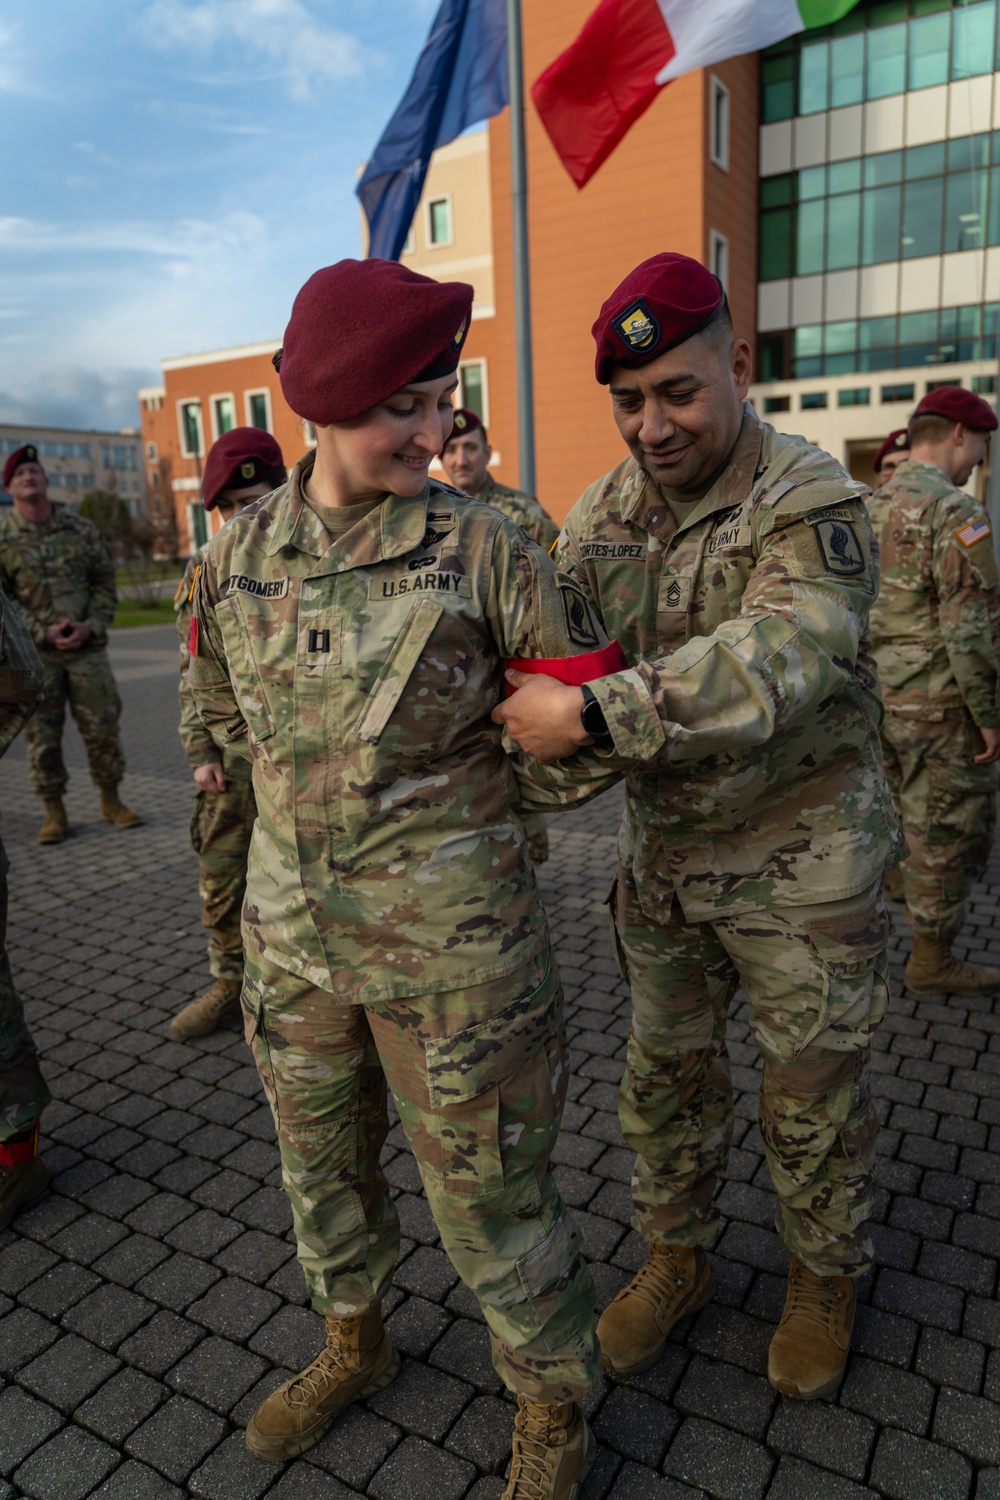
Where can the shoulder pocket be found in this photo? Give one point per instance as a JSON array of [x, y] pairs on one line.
[[243, 668], [392, 679]]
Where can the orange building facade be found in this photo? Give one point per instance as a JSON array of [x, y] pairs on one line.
[[685, 178]]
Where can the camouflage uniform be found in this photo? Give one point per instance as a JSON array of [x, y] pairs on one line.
[[392, 923], [222, 822], [758, 825], [23, 1094], [536, 521], [935, 637], [55, 569]]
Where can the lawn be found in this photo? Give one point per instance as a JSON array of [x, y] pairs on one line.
[[129, 613]]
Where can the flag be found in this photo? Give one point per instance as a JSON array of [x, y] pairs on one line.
[[460, 78], [592, 95]]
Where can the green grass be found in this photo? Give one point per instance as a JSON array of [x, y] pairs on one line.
[[129, 613], [154, 568]]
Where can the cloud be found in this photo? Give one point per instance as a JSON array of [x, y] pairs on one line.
[[188, 239], [283, 36], [70, 396]]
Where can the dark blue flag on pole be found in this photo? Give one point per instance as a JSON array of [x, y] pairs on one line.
[[460, 78]]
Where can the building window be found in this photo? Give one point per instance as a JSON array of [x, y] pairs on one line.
[[905, 392], [151, 452], [777, 403], [439, 221], [223, 415], [813, 401], [192, 437], [258, 407], [935, 385], [984, 385], [949, 335], [718, 256], [49, 450], [153, 403], [472, 388], [197, 524], [719, 123], [154, 479], [859, 396]]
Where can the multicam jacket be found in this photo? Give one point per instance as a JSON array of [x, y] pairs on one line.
[[522, 508], [199, 746], [57, 569], [748, 722], [361, 674], [21, 675], [936, 624]]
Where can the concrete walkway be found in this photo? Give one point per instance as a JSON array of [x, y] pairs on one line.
[[153, 1298]]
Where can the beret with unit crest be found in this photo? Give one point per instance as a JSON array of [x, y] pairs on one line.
[[665, 300]]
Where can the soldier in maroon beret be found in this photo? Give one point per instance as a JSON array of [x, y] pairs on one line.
[[936, 637], [349, 633], [892, 453], [736, 566]]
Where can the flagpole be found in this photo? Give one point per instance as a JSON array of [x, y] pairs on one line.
[[522, 271]]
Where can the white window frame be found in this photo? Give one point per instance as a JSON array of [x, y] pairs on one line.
[[718, 138], [410, 243], [432, 243], [463, 364], [260, 391], [221, 396], [187, 452], [718, 255]]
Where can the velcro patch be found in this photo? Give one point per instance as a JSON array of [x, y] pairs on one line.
[[839, 548], [976, 531], [833, 513], [611, 551], [431, 582], [260, 588], [579, 620]]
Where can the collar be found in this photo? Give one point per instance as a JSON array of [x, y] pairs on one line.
[[392, 529], [644, 506]]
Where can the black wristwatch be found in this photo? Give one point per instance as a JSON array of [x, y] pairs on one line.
[[593, 720]]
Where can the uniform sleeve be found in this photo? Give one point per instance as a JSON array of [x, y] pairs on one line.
[[103, 590], [533, 609], [539, 524], [199, 746], [965, 578], [793, 644], [21, 675], [32, 624], [207, 674]]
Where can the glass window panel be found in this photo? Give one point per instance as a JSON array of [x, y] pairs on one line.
[[880, 225], [965, 211], [845, 176], [841, 338], [774, 356], [258, 410], [859, 396], [921, 327], [225, 419], [984, 385], [930, 37], [777, 241], [925, 161], [843, 232], [812, 183], [967, 152], [808, 340], [917, 354], [898, 392], [877, 333], [813, 401], [922, 217], [948, 324], [775, 191], [805, 369], [809, 237], [777, 403], [440, 221], [887, 166], [472, 388], [888, 13], [840, 364], [996, 145], [886, 71], [814, 60], [993, 214], [847, 69], [778, 80], [972, 40], [969, 322]]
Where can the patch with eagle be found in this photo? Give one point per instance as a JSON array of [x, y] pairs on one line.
[[839, 548]]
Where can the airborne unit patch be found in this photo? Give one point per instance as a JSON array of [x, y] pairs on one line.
[[839, 548], [637, 327]]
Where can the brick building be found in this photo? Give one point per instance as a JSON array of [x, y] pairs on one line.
[[78, 460]]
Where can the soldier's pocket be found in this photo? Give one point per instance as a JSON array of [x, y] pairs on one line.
[[252, 1005], [246, 678], [850, 991], [197, 827], [495, 1094]]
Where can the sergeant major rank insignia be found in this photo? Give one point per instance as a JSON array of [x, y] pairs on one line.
[[637, 327], [839, 548]]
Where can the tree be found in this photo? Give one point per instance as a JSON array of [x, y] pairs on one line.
[[110, 515]]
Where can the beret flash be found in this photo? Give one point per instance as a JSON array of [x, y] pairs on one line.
[[957, 405], [896, 442], [664, 301], [26, 454], [463, 421], [361, 330], [241, 458]]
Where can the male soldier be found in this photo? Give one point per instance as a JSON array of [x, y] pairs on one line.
[[735, 564], [935, 636], [466, 457], [892, 453], [242, 465], [23, 1094], [55, 567]]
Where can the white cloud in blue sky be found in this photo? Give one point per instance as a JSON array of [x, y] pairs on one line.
[[174, 170]]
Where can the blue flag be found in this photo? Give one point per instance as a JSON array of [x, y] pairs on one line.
[[460, 78]]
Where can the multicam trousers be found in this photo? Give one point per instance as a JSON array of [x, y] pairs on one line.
[[23, 1094], [479, 1079], [816, 979], [221, 827], [84, 680], [947, 806]]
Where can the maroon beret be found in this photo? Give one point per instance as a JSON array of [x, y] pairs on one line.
[[958, 405], [26, 454], [463, 421], [896, 442], [361, 330], [664, 301], [239, 459]]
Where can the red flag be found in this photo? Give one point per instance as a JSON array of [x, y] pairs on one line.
[[592, 95]]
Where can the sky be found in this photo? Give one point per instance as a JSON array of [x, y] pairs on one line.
[[173, 170]]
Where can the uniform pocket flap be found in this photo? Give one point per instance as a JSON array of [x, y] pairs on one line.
[[850, 940], [395, 673], [467, 1064]]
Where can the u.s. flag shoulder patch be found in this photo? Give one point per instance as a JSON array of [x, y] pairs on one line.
[[976, 531]]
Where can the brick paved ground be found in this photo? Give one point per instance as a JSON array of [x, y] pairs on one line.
[[153, 1298]]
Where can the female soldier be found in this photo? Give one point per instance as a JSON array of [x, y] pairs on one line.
[[350, 632]]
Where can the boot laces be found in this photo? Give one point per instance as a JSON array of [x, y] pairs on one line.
[[534, 1430], [331, 1364], [659, 1279], [817, 1298], [216, 1001]]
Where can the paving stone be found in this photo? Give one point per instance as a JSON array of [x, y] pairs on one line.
[[108, 1315], [134, 1481], [164, 1340], [69, 1466], [178, 1282], [908, 1468], [914, 1297], [254, 1256], [951, 1361], [726, 1394], [22, 1263], [725, 1463], [87, 1237], [795, 1480], [420, 1471], [724, 1333], [416, 1326], [177, 1438], [884, 1336], [233, 1308], [890, 1397], [124, 1401], [825, 1435], [23, 1335], [303, 1482], [217, 1373], [59, 1289], [356, 1446], [970, 1424], [293, 1338], [982, 1322], [25, 1424], [427, 1273], [231, 1472], [465, 1351], [636, 1426], [483, 1434], [422, 1401]]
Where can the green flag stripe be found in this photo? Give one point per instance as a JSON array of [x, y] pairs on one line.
[[822, 12]]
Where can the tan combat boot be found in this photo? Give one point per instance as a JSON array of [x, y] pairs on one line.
[[23, 1177], [676, 1280], [203, 1015], [931, 970], [553, 1451], [808, 1354], [56, 825], [357, 1360], [894, 884], [113, 809]]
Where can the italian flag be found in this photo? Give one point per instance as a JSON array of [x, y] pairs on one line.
[[592, 95]]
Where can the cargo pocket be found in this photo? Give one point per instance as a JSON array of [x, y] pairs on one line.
[[243, 671], [611, 902], [252, 1006], [395, 673], [853, 989], [197, 825], [547, 1275]]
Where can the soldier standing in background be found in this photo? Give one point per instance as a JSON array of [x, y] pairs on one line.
[[23, 1094], [893, 452], [936, 635], [55, 568], [242, 465], [466, 457], [736, 566]]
